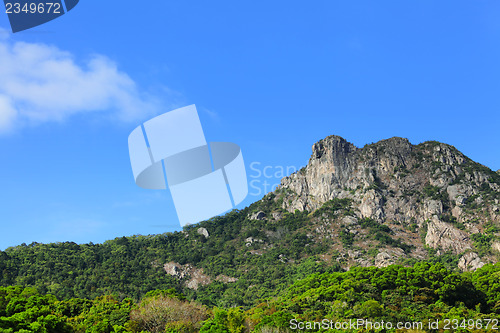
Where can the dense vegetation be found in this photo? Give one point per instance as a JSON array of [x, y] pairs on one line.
[[256, 269], [423, 293], [120, 266], [264, 257]]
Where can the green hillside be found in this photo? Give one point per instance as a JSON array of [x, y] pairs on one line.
[[132, 266], [390, 231], [424, 298]]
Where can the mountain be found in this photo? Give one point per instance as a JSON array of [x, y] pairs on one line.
[[390, 202], [428, 195]]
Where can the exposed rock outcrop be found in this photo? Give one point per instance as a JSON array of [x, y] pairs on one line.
[[250, 240], [430, 189], [470, 262], [496, 246], [203, 231], [388, 257], [444, 236], [193, 277], [257, 216]]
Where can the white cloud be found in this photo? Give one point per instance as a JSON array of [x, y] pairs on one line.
[[214, 115], [7, 113], [41, 83]]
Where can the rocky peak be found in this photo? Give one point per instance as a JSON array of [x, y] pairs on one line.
[[431, 185], [332, 147]]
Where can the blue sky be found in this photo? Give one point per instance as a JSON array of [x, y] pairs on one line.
[[271, 76]]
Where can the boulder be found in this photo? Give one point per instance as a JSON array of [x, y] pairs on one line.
[[203, 231], [257, 216], [470, 262]]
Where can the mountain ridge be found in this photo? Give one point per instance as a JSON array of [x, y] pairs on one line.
[[432, 185], [389, 202]]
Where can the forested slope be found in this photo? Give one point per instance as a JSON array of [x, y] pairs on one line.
[[390, 202], [417, 296]]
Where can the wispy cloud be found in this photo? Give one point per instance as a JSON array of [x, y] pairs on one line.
[[42, 83], [212, 114]]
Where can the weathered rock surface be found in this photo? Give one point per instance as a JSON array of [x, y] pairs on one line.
[[470, 262], [175, 269], [257, 216], [496, 246], [447, 237], [250, 240], [431, 194], [388, 257], [277, 216], [195, 277], [203, 231], [226, 279]]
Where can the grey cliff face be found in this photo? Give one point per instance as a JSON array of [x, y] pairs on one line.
[[431, 187]]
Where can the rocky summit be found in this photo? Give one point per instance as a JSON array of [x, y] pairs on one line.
[[426, 196]]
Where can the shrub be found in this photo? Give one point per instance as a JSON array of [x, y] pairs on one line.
[[156, 314]]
